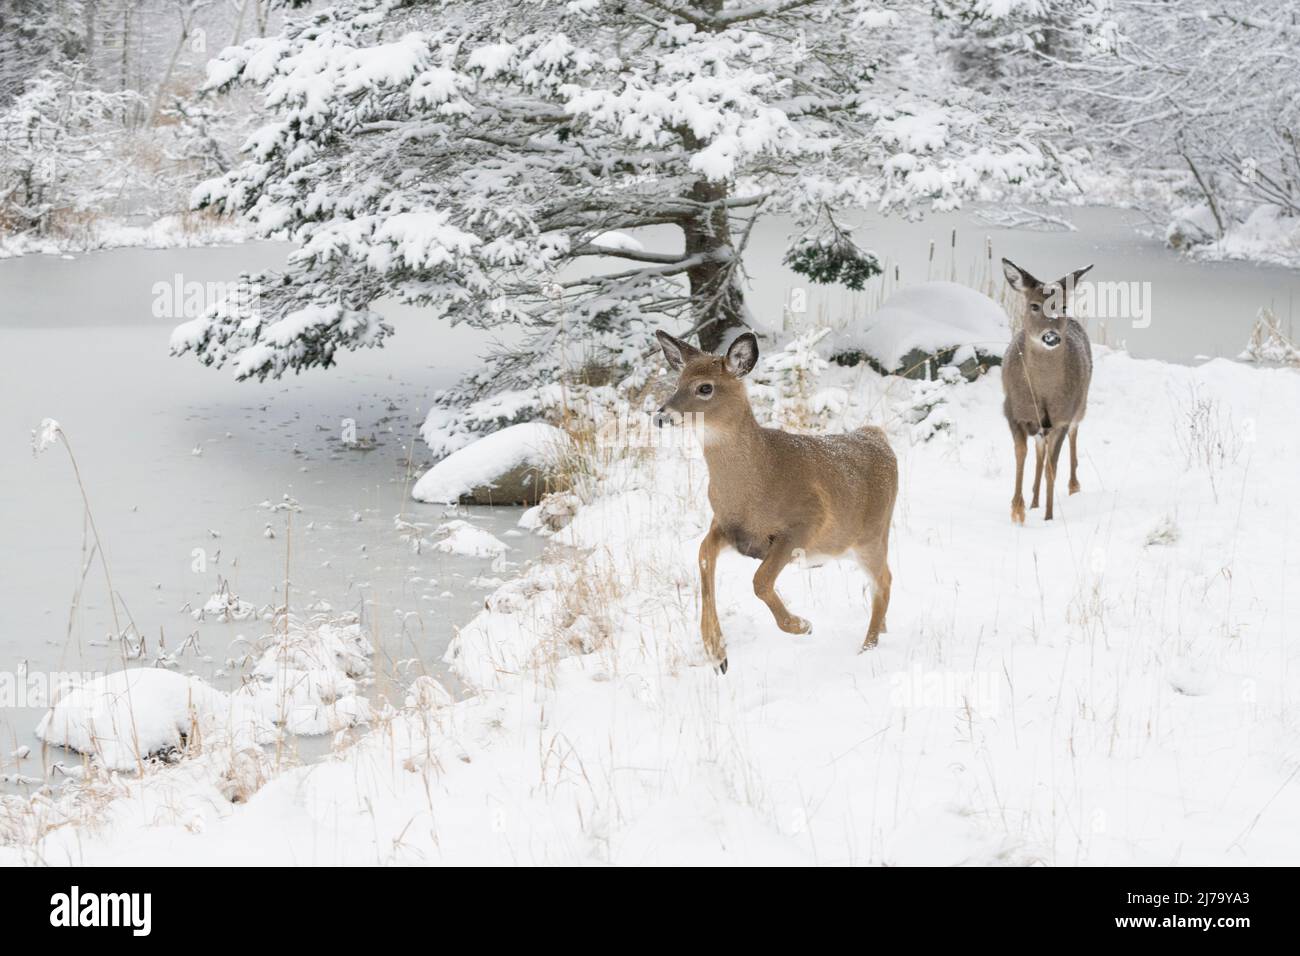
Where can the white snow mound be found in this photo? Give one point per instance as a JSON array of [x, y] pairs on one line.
[[929, 317], [463, 538], [129, 716], [497, 461]]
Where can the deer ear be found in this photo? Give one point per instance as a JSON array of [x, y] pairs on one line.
[[1069, 281], [677, 352], [1018, 278], [742, 356]]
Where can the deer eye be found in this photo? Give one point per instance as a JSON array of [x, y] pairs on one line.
[[704, 390], [1035, 307]]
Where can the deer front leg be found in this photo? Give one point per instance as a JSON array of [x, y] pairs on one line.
[[1054, 442], [710, 630], [778, 556], [1040, 443], [1074, 459], [1018, 499]]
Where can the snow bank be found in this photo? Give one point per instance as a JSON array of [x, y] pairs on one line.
[[129, 716], [944, 319], [167, 232], [507, 467], [1108, 688], [1265, 234]]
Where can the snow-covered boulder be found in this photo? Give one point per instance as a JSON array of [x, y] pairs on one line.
[[951, 324], [505, 468], [461, 537], [1191, 226], [127, 717]]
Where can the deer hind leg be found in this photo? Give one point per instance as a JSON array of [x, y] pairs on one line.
[[710, 630], [876, 566], [1074, 458], [1018, 499], [778, 556], [1040, 446], [1054, 442]]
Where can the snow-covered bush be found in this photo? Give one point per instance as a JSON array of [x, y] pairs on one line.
[[1268, 343], [925, 409], [58, 159], [786, 385]]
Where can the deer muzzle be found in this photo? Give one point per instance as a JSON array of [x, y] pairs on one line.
[[666, 416]]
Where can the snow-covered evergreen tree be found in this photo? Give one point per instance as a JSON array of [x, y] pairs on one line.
[[493, 160]]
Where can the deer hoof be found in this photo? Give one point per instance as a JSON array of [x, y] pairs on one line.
[[1074, 487], [1018, 512], [722, 666], [797, 625], [868, 645]]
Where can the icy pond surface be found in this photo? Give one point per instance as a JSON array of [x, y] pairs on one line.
[[179, 460]]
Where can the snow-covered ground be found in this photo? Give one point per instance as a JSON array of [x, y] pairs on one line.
[[1114, 687]]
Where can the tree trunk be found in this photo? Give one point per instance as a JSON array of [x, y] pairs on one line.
[[717, 303], [89, 11]]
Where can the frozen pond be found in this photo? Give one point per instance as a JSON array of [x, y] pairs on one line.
[[178, 459]]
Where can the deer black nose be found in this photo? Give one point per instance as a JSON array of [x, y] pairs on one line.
[[667, 416], [1051, 339]]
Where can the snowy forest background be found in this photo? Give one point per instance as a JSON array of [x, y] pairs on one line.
[[461, 156]]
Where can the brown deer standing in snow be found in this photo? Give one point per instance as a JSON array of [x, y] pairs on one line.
[[777, 496], [1045, 376]]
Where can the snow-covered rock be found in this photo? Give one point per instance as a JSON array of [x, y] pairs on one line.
[[127, 717], [951, 323], [461, 537], [507, 467]]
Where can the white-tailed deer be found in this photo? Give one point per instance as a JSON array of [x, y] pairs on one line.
[[778, 496], [1045, 376]]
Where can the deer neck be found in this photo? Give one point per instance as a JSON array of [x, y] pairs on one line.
[[735, 439]]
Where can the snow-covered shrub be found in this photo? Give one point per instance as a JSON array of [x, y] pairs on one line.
[[925, 408], [58, 156], [785, 385], [1164, 532], [309, 674], [1268, 343]]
